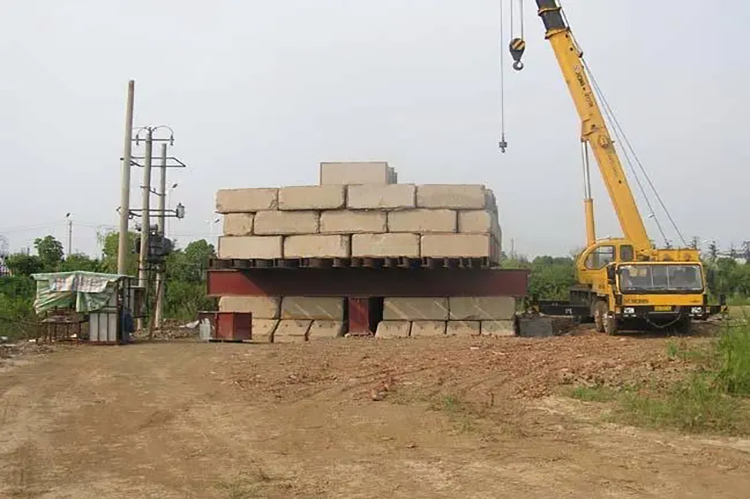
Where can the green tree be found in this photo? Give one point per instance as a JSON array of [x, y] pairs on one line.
[[185, 293], [110, 243], [552, 277], [21, 264], [17, 295], [50, 251], [79, 261]]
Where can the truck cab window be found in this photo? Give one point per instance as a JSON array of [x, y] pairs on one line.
[[600, 257], [627, 254]]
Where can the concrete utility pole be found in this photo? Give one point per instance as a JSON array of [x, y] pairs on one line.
[[162, 210], [146, 215], [160, 247], [70, 235], [122, 248]]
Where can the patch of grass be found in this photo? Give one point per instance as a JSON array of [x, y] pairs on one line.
[[733, 349], [710, 399], [592, 394], [250, 485], [463, 414], [681, 351], [694, 405]]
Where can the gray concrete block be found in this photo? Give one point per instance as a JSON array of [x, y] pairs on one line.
[[498, 328], [316, 246], [246, 200], [299, 307], [314, 197], [422, 221], [458, 246], [292, 331], [262, 307], [352, 222], [478, 222], [382, 245], [263, 330], [356, 173], [377, 197], [286, 222], [322, 330], [463, 328], [413, 309], [487, 308], [264, 247], [457, 197], [393, 329], [536, 327], [238, 224], [424, 329]]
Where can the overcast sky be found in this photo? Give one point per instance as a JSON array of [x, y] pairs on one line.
[[259, 92]]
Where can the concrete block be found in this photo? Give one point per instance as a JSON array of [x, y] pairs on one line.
[[488, 308], [292, 331], [382, 245], [299, 307], [265, 247], [422, 221], [355, 173], [314, 197], [536, 327], [380, 197], [413, 309], [457, 197], [352, 222], [238, 224], [498, 328], [393, 329], [316, 246], [262, 307], [246, 200], [263, 330], [490, 201], [321, 330], [424, 329], [463, 328], [478, 222], [286, 222], [458, 245]]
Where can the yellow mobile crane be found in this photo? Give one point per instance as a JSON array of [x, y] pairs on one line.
[[624, 282]]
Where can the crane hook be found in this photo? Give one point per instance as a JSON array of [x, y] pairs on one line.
[[517, 48]]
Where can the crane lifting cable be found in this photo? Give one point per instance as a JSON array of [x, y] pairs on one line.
[[517, 42], [503, 143]]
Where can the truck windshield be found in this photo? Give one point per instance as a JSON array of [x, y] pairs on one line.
[[660, 278]]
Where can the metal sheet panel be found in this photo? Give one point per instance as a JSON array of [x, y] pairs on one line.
[[368, 282], [112, 327], [94, 327]]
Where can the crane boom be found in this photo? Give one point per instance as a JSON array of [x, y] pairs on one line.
[[594, 129]]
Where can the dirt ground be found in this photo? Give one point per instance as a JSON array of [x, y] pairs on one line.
[[348, 418]]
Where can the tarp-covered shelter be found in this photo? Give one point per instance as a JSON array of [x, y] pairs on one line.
[[82, 291]]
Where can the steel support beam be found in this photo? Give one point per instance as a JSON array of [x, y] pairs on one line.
[[368, 282]]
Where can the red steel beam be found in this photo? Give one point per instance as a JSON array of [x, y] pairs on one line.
[[368, 282]]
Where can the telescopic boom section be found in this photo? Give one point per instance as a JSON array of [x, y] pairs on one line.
[[594, 128]]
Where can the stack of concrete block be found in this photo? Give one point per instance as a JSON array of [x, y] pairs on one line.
[[455, 316], [359, 211], [289, 319]]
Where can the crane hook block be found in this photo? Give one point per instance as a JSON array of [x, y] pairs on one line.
[[517, 48], [503, 144]]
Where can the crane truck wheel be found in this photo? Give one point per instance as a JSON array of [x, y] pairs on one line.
[[610, 325], [600, 315]]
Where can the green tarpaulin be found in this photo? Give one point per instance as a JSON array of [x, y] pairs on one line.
[[84, 291]]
